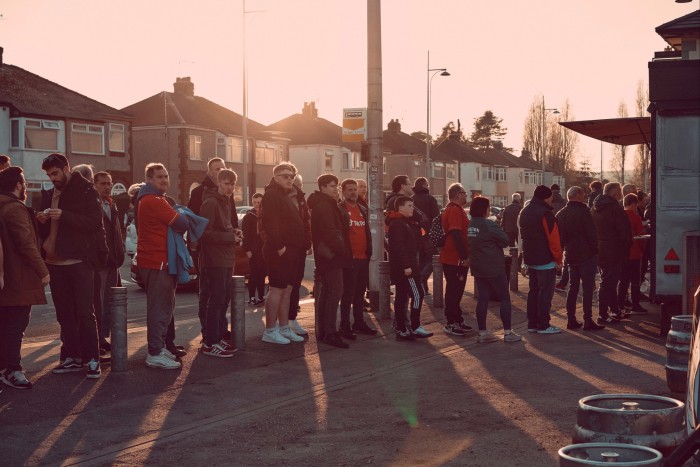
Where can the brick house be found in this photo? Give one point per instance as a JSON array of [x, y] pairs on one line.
[[38, 117], [183, 131]]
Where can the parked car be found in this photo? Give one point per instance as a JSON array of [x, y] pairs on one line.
[[131, 240], [242, 211]]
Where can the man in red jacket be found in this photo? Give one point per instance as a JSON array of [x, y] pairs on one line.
[[630, 276]]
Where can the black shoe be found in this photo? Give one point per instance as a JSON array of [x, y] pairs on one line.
[[638, 310], [363, 328], [589, 325], [604, 320], [335, 341], [405, 335], [573, 324], [346, 333], [177, 350]]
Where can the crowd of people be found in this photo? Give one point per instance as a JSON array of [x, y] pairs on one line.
[[73, 243]]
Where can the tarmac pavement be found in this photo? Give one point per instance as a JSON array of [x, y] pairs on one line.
[[445, 400]]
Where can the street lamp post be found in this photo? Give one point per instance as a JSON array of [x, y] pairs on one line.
[[544, 133], [443, 72]]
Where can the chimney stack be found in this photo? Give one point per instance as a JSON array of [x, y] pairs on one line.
[[183, 86], [310, 110]]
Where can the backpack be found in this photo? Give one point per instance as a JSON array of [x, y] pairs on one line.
[[437, 233]]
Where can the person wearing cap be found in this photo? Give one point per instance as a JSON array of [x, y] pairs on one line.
[[542, 254]]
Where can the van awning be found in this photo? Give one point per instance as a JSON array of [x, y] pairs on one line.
[[622, 131]]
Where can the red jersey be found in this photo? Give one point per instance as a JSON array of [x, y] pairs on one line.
[[154, 217], [637, 249], [453, 218], [357, 232]]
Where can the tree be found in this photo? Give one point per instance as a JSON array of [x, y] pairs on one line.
[[619, 160], [532, 133], [643, 159], [421, 135], [487, 129], [581, 177], [562, 143]]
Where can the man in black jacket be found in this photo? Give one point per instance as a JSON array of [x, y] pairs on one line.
[[596, 190], [355, 279], [284, 251], [614, 242], [107, 276], [73, 240], [509, 220], [428, 205], [578, 236], [332, 254]]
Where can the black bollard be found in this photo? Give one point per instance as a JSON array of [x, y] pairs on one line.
[[438, 293], [384, 294], [119, 354], [238, 312]]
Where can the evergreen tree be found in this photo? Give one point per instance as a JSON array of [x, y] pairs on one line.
[[487, 129]]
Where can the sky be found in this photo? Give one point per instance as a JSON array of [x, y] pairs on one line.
[[502, 55]]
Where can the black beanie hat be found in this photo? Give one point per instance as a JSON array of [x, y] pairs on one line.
[[542, 192]]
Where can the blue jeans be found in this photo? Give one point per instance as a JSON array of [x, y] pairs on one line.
[[585, 274], [499, 286], [539, 297], [218, 284]]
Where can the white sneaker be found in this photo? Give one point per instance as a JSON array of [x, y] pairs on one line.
[[285, 331], [422, 333], [296, 327], [162, 361], [486, 338], [168, 354], [274, 337], [549, 330]]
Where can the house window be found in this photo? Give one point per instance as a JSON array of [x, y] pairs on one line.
[[451, 171], [417, 172], [195, 148], [265, 156], [329, 161], [438, 170], [487, 173], [229, 149], [477, 173], [533, 178], [87, 139], [499, 201], [500, 173], [38, 134], [116, 137], [351, 161]]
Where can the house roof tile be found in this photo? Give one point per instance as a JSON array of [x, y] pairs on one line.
[[33, 95], [305, 130]]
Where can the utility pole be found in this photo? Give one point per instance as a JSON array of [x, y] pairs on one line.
[[374, 140]]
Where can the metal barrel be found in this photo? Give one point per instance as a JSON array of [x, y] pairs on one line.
[[438, 292], [514, 270], [119, 359], [677, 352], [604, 454], [238, 312], [384, 294], [643, 420]]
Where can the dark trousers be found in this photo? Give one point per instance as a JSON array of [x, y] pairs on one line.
[[218, 282], [512, 238], [160, 303], [104, 280], [73, 291], [256, 281], [204, 299], [13, 322], [492, 287], [355, 281], [583, 273], [408, 288], [294, 301], [539, 297], [455, 282], [629, 276], [329, 299], [607, 295]]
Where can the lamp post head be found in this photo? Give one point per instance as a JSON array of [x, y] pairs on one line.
[[556, 112], [445, 73]]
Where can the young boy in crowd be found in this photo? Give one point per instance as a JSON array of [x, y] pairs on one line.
[[404, 272]]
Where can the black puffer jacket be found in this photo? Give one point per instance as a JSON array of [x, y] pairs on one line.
[[329, 233], [613, 229], [81, 234], [403, 250], [509, 220], [425, 202], [536, 251], [593, 196], [577, 232]]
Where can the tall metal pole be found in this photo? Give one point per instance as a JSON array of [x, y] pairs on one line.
[[544, 138], [374, 140], [244, 149], [427, 134], [601, 161]]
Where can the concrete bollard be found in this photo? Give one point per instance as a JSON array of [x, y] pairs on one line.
[[438, 292], [117, 304], [318, 320], [384, 292], [514, 269], [238, 312]]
